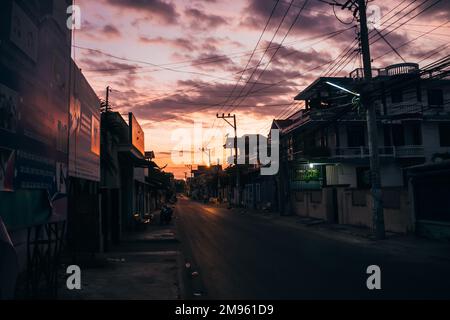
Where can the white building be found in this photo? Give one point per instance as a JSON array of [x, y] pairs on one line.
[[326, 143]]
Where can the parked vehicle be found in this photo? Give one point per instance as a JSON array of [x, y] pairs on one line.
[[141, 222], [166, 214]]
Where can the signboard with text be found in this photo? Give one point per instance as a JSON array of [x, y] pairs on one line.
[[84, 129], [136, 134]]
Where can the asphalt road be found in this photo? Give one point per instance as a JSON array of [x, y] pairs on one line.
[[242, 257]]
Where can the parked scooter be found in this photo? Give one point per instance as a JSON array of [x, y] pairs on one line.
[[166, 214]]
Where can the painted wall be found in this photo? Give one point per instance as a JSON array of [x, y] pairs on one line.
[[391, 175], [302, 203], [396, 220]]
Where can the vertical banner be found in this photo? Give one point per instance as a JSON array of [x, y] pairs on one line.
[[84, 129], [136, 134]]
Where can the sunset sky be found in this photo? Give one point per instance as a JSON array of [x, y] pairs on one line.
[[171, 62]]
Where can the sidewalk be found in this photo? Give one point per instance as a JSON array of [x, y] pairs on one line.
[[145, 266], [409, 246]]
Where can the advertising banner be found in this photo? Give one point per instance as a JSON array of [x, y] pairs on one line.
[[84, 124], [137, 134]]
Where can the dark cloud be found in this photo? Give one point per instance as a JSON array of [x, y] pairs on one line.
[[164, 11], [101, 67], [197, 96], [287, 57], [316, 17], [179, 43], [201, 20], [111, 31], [440, 11], [213, 62]]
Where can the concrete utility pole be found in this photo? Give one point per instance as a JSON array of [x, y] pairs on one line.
[[366, 99], [234, 125], [204, 150], [189, 166], [359, 6]]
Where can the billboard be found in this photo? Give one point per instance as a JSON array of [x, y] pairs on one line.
[[84, 128], [136, 134], [34, 76]]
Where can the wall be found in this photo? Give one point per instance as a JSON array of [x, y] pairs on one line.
[[391, 175], [431, 140], [347, 175], [430, 137], [396, 219], [302, 203]]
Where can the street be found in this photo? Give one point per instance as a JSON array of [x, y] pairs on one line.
[[243, 257]]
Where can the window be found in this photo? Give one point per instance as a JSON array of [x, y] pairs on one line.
[[397, 95], [419, 93], [363, 178], [435, 97], [387, 135], [398, 135], [355, 135], [444, 134], [416, 133]]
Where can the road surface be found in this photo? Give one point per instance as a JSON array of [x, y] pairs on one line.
[[239, 256]]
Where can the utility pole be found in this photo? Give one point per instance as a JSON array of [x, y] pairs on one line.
[[203, 150], [189, 166], [371, 115], [234, 125], [108, 90], [218, 181], [359, 6]]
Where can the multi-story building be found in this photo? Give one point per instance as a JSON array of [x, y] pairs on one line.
[[325, 145], [35, 46]]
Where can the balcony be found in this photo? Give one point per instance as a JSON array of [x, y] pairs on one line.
[[404, 108], [392, 152]]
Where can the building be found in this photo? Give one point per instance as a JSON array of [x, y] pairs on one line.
[[35, 63], [205, 182], [84, 227], [132, 185], [429, 185], [325, 154]]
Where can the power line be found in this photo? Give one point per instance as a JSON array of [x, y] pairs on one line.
[[249, 59], [410, 41], [281, 43], [265, 51], [409, 19]]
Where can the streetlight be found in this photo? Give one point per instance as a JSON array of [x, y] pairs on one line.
[[342, 88]]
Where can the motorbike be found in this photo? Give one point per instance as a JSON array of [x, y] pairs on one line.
[[166, 215]]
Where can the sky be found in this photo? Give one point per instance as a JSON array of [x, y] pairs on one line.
[[174, 62]]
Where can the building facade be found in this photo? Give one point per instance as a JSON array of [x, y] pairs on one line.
[[325, 145]]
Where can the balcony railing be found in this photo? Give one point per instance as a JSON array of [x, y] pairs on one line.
[[409, 151], [363, 152], [404, 108]]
